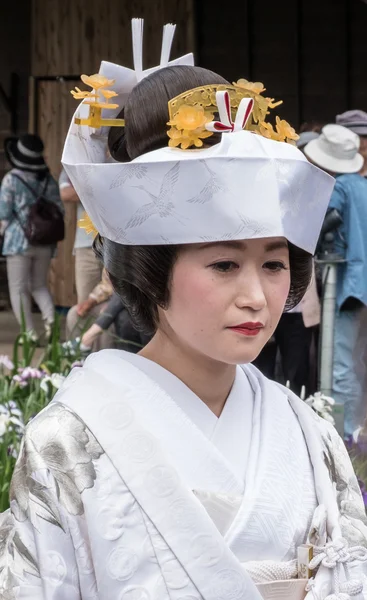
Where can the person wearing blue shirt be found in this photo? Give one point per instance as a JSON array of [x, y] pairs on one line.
[[336, 151], [27, 265]]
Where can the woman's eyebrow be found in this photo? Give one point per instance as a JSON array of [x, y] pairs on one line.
[[236, 245], [277, 245]]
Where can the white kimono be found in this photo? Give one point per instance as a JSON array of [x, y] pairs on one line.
[[129, 488]]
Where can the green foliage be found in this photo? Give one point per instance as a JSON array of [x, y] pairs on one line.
[[26, 388]]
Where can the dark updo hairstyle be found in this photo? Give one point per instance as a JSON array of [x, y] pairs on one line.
[[141, 275]]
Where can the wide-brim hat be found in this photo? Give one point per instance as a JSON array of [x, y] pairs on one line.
[[336, 150], [25, 152]]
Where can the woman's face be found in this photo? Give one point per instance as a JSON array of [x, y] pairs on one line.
[[226, 298]]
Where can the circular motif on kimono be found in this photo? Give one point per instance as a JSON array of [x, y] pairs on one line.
[[206, 550], [182, 515], [117, 415], [55, 568], [139, 447], [162, 481], [135, 593], [121, 564], [174, 575], [228, 585], [131, 511], [110, 522]]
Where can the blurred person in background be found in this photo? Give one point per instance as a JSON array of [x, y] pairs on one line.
[[311, 126], [88, 269], [356, 120], [82, 315], [336, 152], [27, 264], [114, 313]]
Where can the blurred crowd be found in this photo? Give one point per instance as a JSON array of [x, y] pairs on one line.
[[100, 320]]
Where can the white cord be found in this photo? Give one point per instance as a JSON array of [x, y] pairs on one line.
[[335, 556]]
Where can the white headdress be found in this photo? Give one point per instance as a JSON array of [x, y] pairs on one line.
[[246, 186]]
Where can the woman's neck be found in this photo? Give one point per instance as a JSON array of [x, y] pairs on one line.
[[211, 381]]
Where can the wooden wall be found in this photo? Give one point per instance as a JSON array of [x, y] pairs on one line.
[[15, 41], [70, 37], [14, 72], [310, 53]]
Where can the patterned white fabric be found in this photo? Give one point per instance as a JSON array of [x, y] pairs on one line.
[[251, 186], [103, 507]]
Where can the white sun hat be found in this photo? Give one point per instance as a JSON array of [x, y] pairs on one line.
[[336, 150]]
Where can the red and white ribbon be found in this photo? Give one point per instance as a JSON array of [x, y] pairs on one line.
[[225, 124]]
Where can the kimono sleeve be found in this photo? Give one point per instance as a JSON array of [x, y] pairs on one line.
[[353, 520], [37, 553], [36, 550], [352, 513]]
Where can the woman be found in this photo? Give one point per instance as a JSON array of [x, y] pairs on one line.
[[175, 473], [27, 265]]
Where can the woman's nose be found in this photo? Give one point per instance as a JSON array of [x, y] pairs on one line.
[[251, 294]]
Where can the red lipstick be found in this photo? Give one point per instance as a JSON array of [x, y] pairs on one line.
[[250, 329]]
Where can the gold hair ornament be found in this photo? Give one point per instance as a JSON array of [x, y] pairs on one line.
[[97, 100], [86, 223], [191, 114]]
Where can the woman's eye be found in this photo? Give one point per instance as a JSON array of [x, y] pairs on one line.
[[275, 266], [225, 266]]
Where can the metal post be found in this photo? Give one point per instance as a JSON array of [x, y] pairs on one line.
[[330, 275], [327, 329]]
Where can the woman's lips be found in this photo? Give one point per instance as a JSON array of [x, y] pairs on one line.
[[250, 329]]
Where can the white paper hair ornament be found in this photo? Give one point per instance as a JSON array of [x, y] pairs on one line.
[[246, 186]]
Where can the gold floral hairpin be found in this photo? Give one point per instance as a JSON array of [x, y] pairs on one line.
[[97, 99], [192, 113]]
